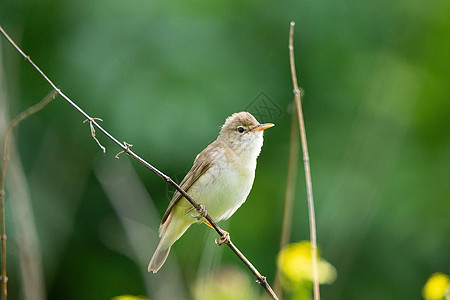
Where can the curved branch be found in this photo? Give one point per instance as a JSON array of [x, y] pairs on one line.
[[126, 149]]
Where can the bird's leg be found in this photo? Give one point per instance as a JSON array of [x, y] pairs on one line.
[[224, 239], [201, 213]]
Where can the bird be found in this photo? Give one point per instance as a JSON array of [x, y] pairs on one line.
[[220, 180]]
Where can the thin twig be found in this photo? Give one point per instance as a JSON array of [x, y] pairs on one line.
[[93, 132], [128, 146], [126, 149], [309, 192], [289, 197], [22, 116]]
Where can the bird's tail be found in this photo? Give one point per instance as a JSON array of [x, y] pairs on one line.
[[172, 229], [159, 257]]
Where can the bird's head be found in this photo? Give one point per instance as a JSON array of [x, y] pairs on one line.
[[242, 132]]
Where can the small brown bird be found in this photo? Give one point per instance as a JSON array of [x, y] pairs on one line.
[[220, 179]]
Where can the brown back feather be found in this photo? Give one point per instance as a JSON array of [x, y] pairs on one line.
[[202, 163]]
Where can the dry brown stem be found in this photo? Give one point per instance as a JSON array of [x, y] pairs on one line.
[[309, 192], [22, 116]]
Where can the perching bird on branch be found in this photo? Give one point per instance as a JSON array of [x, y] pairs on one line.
[[220, 180]]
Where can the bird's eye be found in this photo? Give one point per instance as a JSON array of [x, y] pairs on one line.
[[240, 129]]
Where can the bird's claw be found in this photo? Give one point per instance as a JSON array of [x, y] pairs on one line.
[[224, 239], [201, 213]]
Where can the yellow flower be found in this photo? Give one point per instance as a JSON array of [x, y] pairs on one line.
[[437, 287], [296, 264], [129, 297]]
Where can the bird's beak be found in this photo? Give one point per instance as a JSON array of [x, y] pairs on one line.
[[262, 127]]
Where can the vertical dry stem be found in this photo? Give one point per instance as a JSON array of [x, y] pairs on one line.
[[312, 218], [22, 116]]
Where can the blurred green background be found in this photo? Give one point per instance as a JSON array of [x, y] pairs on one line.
[[164, 76]]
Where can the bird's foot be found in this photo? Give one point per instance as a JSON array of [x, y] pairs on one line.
[[224, 239], [201, 213]]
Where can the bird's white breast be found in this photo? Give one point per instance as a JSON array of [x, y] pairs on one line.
[[226, 185]]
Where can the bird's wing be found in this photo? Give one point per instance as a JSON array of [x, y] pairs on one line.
[[202, 163]]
